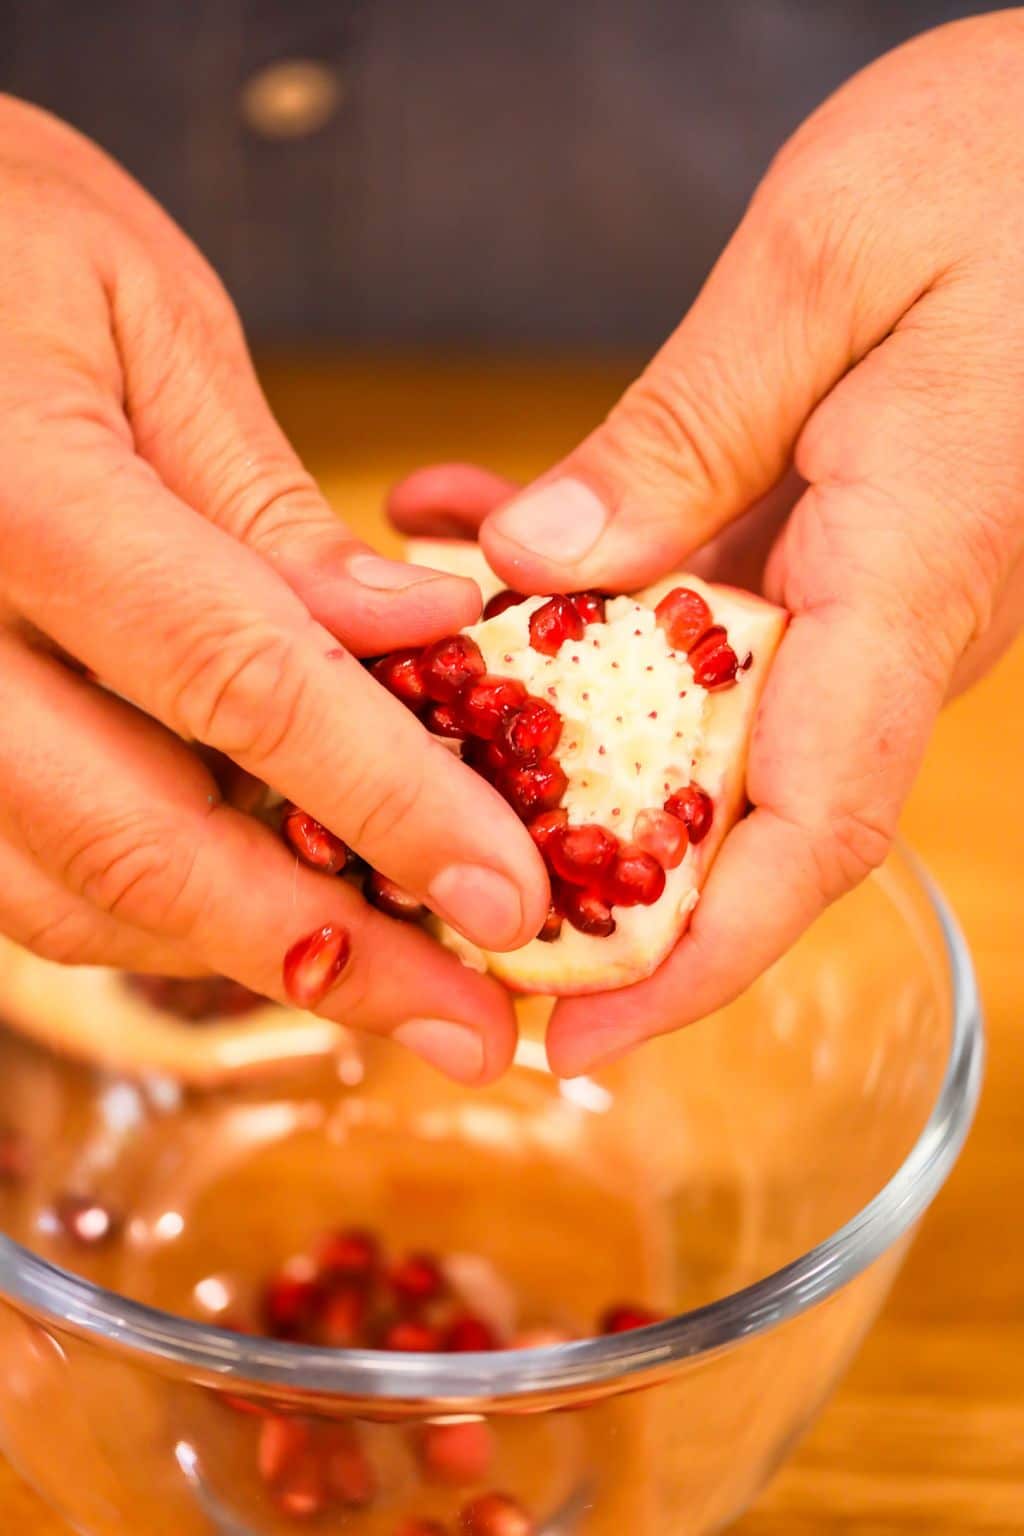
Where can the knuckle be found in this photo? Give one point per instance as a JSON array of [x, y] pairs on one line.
[[135, 869], [240, 690], [384, 808], [260, 495], [856, 843], [64, 937]]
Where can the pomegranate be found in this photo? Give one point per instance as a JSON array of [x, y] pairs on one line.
[[626, 1316], [460, 1452], [554, 622], [388, 896], [412, 1335], [314, 963], [496, 1514], [400, 674], [449, 665], [351, 1254], [506, 598], [282, 1441], [416, 1280], [467, 1333], [291, 1301], [312, 842], [694, 809]]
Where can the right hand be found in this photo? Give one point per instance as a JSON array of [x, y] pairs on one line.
[[157, 530]]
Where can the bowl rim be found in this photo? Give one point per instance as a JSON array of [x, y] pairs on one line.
[[200, 1348]]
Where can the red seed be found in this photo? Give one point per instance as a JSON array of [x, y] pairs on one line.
[[589, 606], [353, 1253], [412, 1335], [496, 1514], [449, 665], [388, 896], [445, 720], [400, 674], [341, 1319], [713, 660], [588, 912], [86, 1220], [469, 1333], [684, 616], [551, 928], [414, 1526], [282, 1441], [488, 702], [195, 998], [456, 1453], [313, 964], [582, 855], [553, 623], [533, 732], [302, 1491], [543, 828], [662, 835], [626, 1316], [291, 1300], [636, 879], [695, 808], [502, 600], [312, 842], [417, 1279], [534, 790], [350, 1475], [15, 1158]]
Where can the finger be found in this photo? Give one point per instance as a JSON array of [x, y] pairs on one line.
[[447, 500], [231, 658], [125, 818]]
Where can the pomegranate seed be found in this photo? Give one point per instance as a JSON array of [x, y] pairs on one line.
[[456, 1453], [684, 616], [388, 896], [694, 807], [589, 606], [412, 1335], [636, 879], [532, 732], [313, 964], [469, 1333], [501, 601], [582, 855], [85, 1220], [553, 623], [351, 1254], [282, 1440], [588, 912], [449, 665], [445, 720], [551, 929], [342, 1317], [417, 1527], [400, 674], [195, 997], [313, 843], [627, 1316], [662, 835], [350, 1475], [302, 1490], [536, 789], [15, 1160], [496, 1514], [713, 660], [291, 1300], [488, 703], [544, 827], [417, 1279]]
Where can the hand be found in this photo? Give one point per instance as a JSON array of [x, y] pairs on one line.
[[846, 394], [157, 530]]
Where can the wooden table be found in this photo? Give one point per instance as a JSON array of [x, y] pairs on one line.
[[927, 1432]]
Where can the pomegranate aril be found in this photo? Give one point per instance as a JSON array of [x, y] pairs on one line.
[[533, 790], [412, 1335], [544, 827], [636, 879], [350, 1254], [291, 1301], [445, 720], [312, 842], [342, 1316], [663, 835], [627, 1316], [532, 732], [282, 1441], [551, 928], [713, 660], [684, 616], [588, 912], [589, 605], [553, 623], [449, 665], [695, 808], [496, 1514], [469, 1333], [417, 1279], [388, 896], [502, 601], [583, 854], [195, 998], [400, 674], [301, 1493], [456, 1453], [488, 702], [86, 1220], [349, 1472], [313, 964]]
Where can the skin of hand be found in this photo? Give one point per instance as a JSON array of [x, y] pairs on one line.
[[838, 421], [157, 533]]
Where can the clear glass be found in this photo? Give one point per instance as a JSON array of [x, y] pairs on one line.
[[758, 1176]]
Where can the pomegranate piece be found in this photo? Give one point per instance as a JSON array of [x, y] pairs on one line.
[[349, 1473], [533, 790], [195, 998], [353, 1253], [636, 879], [662, 835], [341, 1317], [412, 1335], [694, 808], [488, 702], [291, 1301], [582, 855], [551, 928], [553, 623], [468, 1333], [400, 674], [416, 1280], [388, 896], [544, 827], [301, 1492], [626, 1316], [458, 1454], [86, 1220], [445, 720], [532, 732], [502, 601], [15, 1158], [589, 605], [312, 842], [588, 912], [313, 964], [450, 665], [684, 616], [496, 1514], [713, 660], [414, 1526], [282, 1441]]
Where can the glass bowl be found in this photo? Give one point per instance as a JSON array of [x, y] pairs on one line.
[[756, 1178]]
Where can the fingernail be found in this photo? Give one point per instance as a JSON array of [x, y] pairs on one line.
[[561, 521], [453, 1048], [313, 964], [480, 902], [387, 575]]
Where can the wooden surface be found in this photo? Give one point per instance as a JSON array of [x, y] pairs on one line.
[[927, 1432]]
